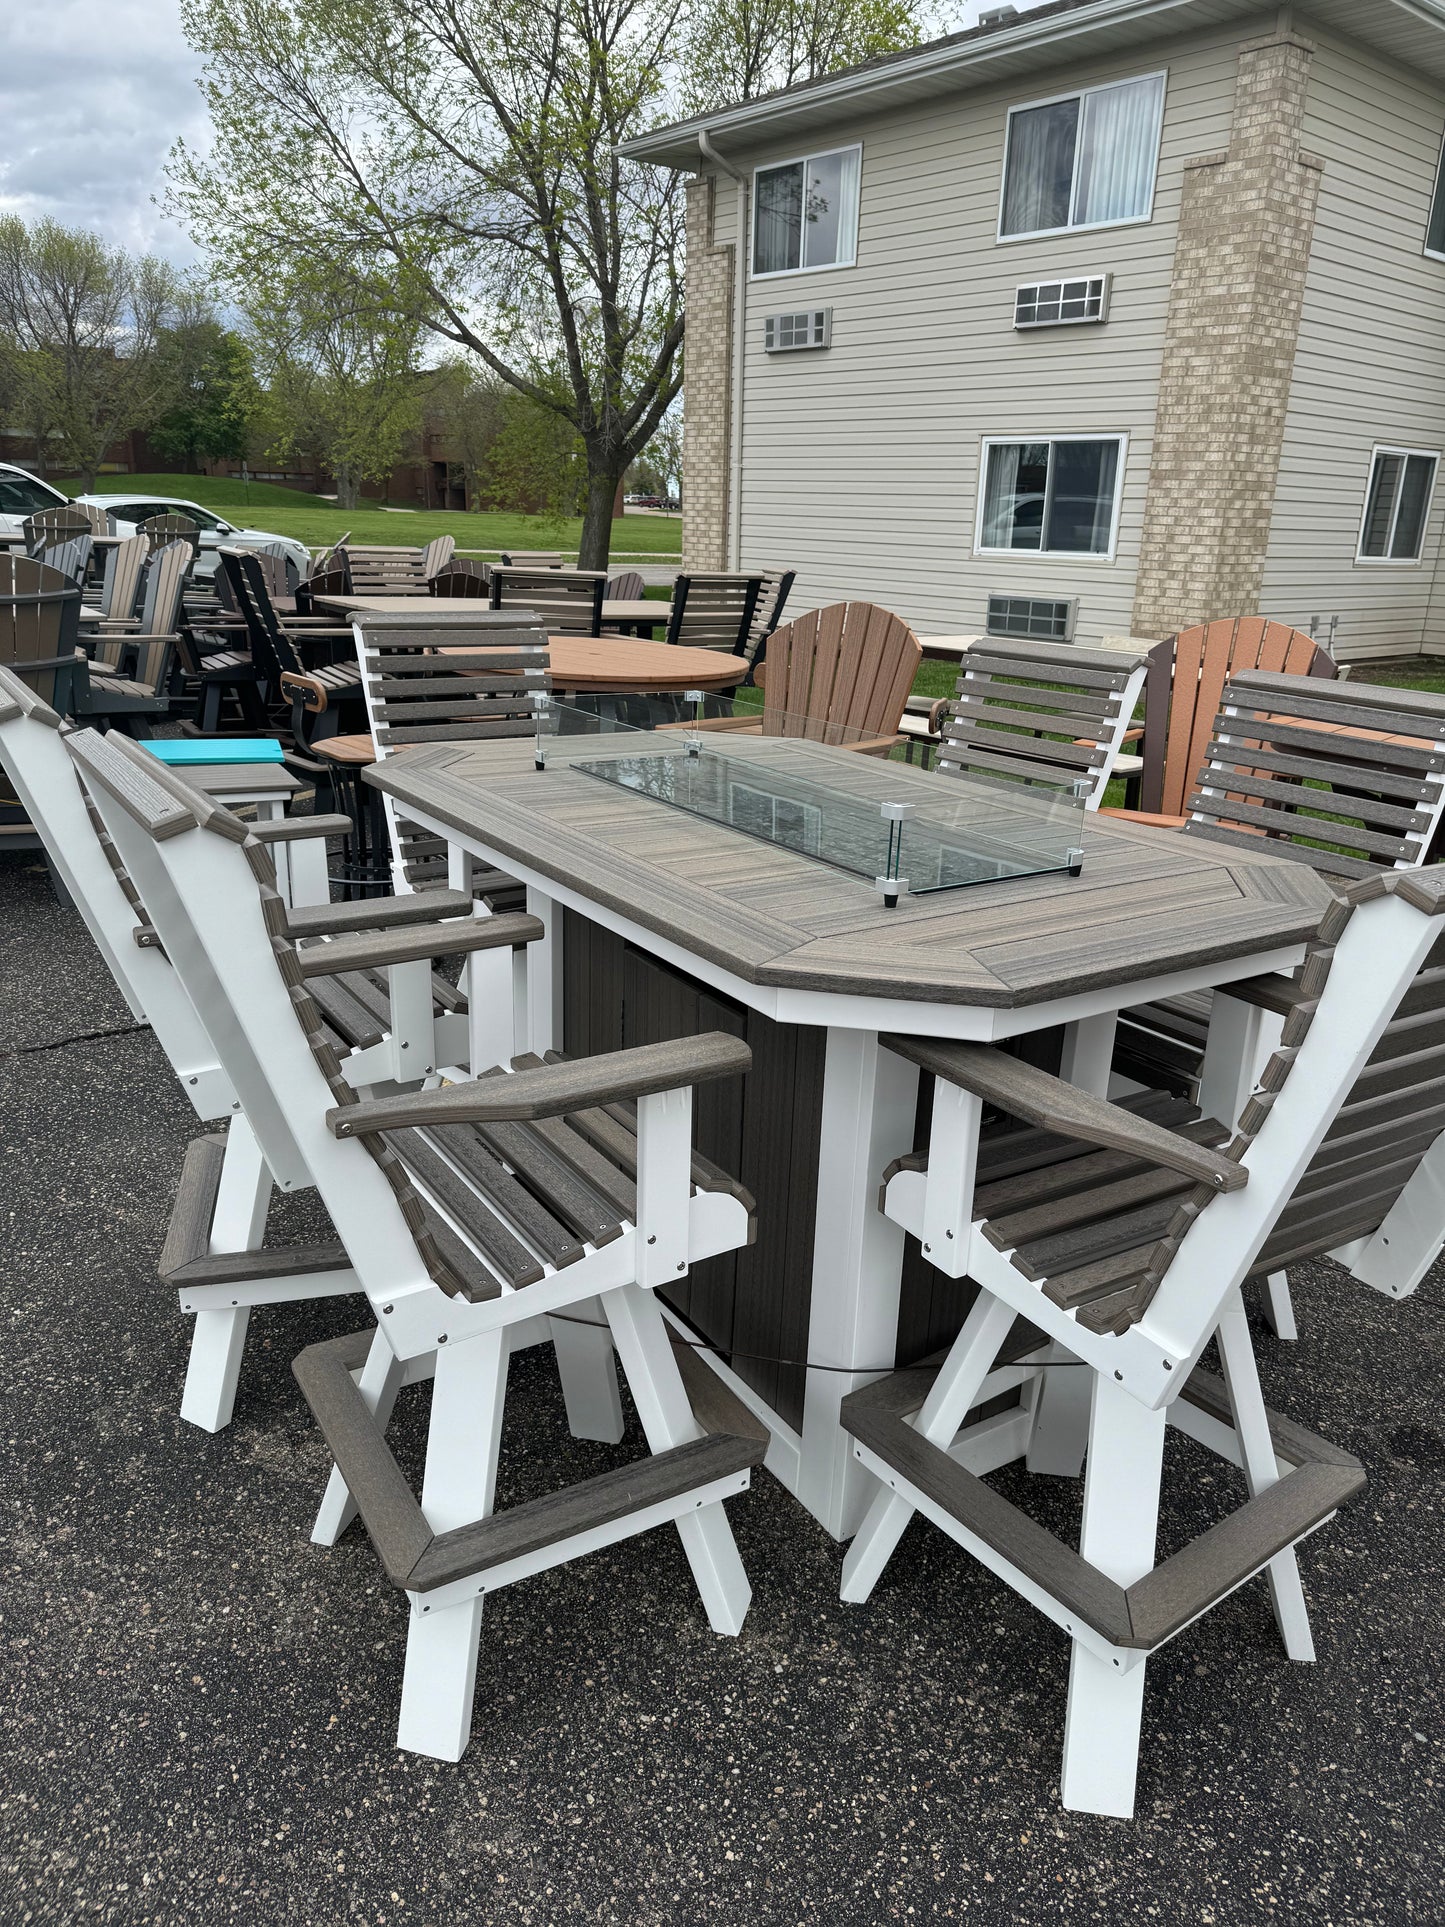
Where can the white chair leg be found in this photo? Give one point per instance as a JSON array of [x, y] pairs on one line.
[[1261, 1470], [582, 1341], [440, 1681], [458, 1487], [1279, 1306], [1059, 1435], [218, 1342], [943, 1411], [381, 1379], [667, 1419], [1120, 1525]]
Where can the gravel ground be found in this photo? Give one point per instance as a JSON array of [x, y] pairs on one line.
[[199, 1705]]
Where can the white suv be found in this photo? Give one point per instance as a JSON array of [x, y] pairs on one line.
[[130, 511], [21, 494]]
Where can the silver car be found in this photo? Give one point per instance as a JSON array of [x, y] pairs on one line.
[[129, 511]]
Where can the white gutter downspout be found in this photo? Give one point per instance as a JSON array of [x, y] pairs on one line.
[[740, 304]]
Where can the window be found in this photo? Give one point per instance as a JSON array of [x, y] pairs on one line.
[[19, 495], [805, 213], [1397, 506], [1048, 304], [1083, 161], [1435, 233], [1056, 497], [812, 328]]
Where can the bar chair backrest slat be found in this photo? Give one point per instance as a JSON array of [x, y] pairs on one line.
[[768, 610]]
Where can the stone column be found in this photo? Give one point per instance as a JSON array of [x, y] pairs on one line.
[[1246, 221], [707, 387]]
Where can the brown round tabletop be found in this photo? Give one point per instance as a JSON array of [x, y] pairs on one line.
[[600, 665]]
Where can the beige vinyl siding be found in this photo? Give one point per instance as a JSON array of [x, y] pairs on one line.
[[861, 462], [1370, 365]]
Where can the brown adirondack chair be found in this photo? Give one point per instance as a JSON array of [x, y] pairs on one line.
[[839, 675], [1182, 692]]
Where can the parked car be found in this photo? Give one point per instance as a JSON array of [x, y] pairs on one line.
[[130, 511], [21, 494]]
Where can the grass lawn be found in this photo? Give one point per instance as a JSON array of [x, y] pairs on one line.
[[289, 511]]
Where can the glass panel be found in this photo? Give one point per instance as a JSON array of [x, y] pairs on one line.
[[1410, 518], [830, 208], [777, 219], [1435, 233], [1013, 512], [873, 818], [1081, 506], [1380, 509], [1039, 171], [1117, 146]]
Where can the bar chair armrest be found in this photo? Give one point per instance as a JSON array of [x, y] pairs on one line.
[[1038, 1098], [554, 1090], [377, 913], [292, 829], [379, 949]]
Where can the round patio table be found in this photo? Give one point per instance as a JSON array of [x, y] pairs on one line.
[[627, 665]]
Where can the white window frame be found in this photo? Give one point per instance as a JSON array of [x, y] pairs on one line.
[[802, 160], [1396, 561], [1084, 556], [1079, 94], [1437, 186]]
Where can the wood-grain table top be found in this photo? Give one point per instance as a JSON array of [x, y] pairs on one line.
[[653, 610], [1148, 903]]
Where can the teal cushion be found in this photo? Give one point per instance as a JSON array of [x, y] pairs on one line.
[[181, 752]]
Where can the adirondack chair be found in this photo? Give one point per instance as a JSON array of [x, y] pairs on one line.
[[120, 591], [101, 521], [138, 700], [626, 586], [462, 579], [173, 528], [48, 527], [39, 632], [485, 686], [1051, 716], [714, 611], [379, 570], [569, 601], [768, 610], [437, 555], [430, 1202], [70, 556], [839, 675], [331, 580], [1123, 1239], [324, 695], [1186, 678]]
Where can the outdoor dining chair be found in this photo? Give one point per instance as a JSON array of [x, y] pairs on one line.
[[1051, 716], [464, 579], [767, 610], [324, 695], [1122, 1240], [471, 1214], [714, 611], [376, 569], [569, 601]]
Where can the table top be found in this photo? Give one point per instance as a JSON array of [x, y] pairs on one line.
[[1147, 904], [641, 610], [603, 665], [407, 605]]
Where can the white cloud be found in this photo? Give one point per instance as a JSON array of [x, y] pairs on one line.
[[92, 94]]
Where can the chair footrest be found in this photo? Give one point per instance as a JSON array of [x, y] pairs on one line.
[[186, 1259], [419, 1560], [1142, 1616]]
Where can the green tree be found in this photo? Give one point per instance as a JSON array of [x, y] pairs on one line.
[[464, 152], [83, 323], [342, 381], [212, 396]]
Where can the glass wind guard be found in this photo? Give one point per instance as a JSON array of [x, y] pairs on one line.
[[907, 832]]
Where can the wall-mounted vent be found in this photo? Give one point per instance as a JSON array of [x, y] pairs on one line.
[[1051, 304], [808, 328], [1034, 618], [995, 16]]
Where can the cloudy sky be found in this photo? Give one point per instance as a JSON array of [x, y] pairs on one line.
[[92, 94]]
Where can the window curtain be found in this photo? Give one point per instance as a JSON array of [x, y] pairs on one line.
[[1116, 151], [1040, 167], [830, 209]]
